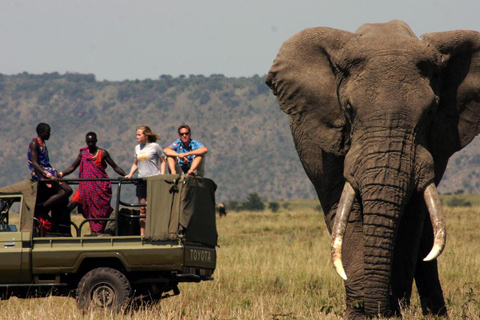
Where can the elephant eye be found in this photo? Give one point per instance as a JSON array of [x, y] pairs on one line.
[[427, 68], [343, 71], [348, 111]]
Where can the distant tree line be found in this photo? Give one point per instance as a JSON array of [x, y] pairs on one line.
[[458, 202], [253, 203]]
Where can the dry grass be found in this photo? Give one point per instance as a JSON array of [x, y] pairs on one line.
[[277, 266]]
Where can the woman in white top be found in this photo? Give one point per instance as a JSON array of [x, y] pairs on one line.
[[148, 153]]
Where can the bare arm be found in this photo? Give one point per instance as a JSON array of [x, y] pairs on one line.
[[132, 169], [169, 152], [163, 165], [109, 160], [73, 167], [198, 152], [33, 146]]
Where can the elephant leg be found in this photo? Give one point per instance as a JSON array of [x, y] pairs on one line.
[[353, 256], [426, 277], [329, 186]]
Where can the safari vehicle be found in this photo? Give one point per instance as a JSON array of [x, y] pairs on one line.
[[114, 270]]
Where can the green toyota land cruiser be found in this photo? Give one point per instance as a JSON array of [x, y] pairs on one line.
[[115, 269]]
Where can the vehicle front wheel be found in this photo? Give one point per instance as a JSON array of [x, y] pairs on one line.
[[103, 288]]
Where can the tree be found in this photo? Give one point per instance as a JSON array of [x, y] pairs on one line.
[[274, 206], [458, 202], [254, 202]]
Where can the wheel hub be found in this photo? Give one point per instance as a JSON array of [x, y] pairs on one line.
[[103, 295]]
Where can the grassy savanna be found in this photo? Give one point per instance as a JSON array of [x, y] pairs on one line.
[[277, 266]]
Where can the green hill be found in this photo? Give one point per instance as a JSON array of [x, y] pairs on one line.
[[248, 137], [238, 119]]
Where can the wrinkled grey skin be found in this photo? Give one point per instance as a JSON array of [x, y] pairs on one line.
[[383, 110]]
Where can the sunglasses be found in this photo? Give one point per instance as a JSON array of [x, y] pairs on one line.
[[184, 133]]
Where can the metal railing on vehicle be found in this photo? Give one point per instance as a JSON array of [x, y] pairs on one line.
[[114, 181]]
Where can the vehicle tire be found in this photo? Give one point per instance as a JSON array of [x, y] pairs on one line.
[[103, 288], [5, 294]]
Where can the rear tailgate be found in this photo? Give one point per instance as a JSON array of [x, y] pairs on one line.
[[200, 261], [200, 256]]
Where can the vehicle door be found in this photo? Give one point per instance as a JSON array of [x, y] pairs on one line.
[[10, 239]]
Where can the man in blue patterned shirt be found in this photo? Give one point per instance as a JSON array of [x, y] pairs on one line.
[[185, 153]]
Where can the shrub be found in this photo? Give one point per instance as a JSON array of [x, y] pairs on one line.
[[458, 202], [254, 202], [274, 206]]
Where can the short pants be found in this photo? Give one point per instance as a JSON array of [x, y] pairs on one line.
[[141, 189]]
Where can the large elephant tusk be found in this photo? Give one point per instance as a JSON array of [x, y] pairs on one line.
[[438, 221], [343, 211]]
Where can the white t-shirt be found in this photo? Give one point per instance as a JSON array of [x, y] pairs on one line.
[[147, 156]]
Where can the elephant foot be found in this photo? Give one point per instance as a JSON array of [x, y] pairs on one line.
[[429, 309], [352, 315], [355, 311], [397, 304]]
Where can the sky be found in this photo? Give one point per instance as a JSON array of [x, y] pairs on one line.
[[126, 40]]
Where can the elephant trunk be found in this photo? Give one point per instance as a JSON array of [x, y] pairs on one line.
[[385, 178], [380, 220]]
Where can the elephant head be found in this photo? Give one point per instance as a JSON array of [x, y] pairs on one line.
[[377, 113]]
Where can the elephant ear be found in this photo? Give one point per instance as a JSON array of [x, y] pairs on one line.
[[457, 120], [303, 79]]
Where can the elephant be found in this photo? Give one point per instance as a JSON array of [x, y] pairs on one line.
[[375, 115]]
